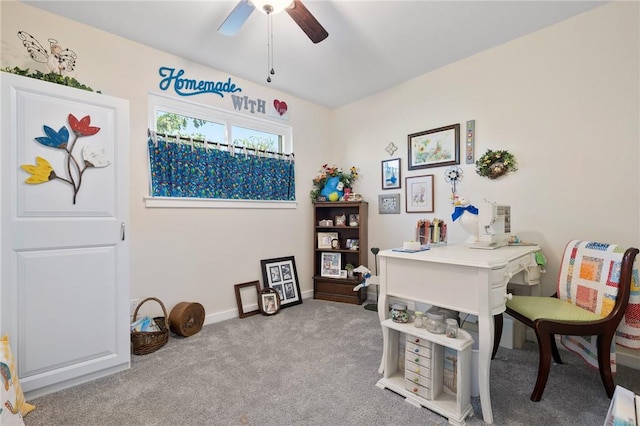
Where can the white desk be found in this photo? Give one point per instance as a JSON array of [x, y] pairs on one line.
[[459, 278]]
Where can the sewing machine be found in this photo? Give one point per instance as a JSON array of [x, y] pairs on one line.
[[494, 226]]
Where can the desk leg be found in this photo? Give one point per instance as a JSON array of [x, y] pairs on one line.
[[382, 315], [485, 335]]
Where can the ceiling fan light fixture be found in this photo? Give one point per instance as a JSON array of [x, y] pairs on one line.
[[271, 6]]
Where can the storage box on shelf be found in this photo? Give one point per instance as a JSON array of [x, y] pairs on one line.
[[354, 229], [436, 372]]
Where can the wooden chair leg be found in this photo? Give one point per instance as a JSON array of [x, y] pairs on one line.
[[554, 350], [604, 363], [544, 364], [497, 326]]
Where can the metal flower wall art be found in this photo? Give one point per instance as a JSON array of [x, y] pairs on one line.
[[43, 172]]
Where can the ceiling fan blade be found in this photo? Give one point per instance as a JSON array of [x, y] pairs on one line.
[[307, 21], [236, 18]]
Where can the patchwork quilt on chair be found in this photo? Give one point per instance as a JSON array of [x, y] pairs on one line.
[[589, 277]]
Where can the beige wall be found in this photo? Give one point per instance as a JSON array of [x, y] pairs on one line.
[[564, 100]]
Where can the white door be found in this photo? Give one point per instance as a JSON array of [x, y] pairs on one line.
[[64, 261]]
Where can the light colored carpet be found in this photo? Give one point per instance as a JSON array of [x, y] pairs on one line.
[[311, 364]]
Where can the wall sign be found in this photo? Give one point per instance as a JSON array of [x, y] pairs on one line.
[[189, 87]]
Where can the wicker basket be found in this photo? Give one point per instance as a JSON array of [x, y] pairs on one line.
[[150, 341]]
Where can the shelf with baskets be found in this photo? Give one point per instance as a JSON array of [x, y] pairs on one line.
[[340, 239]]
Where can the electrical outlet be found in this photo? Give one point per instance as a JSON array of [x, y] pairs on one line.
[[133, 303]]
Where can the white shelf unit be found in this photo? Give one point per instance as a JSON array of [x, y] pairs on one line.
[[454, 407]]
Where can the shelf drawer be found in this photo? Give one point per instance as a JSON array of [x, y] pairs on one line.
[[418, 389], [336, 288], [421, 360], [417, 369], [419, 341], [417, 379], [414, 349]]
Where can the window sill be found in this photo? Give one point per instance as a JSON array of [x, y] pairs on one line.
[[208, 203]]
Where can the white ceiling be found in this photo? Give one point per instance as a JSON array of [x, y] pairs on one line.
[[372, 45]]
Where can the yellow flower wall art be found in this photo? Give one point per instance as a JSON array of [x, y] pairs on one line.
[[92, 157]]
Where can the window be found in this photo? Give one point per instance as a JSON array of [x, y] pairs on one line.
[[207, 154]]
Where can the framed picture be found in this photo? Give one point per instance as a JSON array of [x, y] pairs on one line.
[[391, 174], [325, 238], [331, 265], [419, 194], [269, 301], [247, 293], [354, 219], [434, 148], [280, 274], [352, 244], [341, 220], [389, 204]]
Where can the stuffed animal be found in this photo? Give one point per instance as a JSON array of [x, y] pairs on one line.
[[331, 187], [468, 216], [366, 274]]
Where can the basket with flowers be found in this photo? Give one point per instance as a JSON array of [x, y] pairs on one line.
[[493, 164], [332, 179]]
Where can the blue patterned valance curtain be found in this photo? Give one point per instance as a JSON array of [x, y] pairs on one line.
[[188, 169]]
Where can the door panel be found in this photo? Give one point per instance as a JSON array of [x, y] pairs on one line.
[[64, 264]]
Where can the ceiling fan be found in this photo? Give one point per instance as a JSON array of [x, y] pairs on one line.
[[298, 11]]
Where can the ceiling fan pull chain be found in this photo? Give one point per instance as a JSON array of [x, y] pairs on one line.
[[270, 70]]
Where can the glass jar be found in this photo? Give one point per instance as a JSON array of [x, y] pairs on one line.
[[452, 328], [418, 321], [434, 323], [399, 313]]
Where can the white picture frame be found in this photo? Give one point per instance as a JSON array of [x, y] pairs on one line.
[[331, 264]]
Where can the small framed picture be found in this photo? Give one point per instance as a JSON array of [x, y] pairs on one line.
[[280, 274], [352, 244], [343, 273], [341, 220], [331, 265], [419, 194], [325, 239], [354, 219], [391, 174], [269, 301], [389, 204]]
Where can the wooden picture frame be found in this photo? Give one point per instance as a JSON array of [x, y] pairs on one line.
[[434, 148], [389, 204], [391, 174], [269, 301], [330, 265], [419, 194], [244, 289], [281, 275]]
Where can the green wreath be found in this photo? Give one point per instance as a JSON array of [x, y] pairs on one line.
[[493, 164]]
